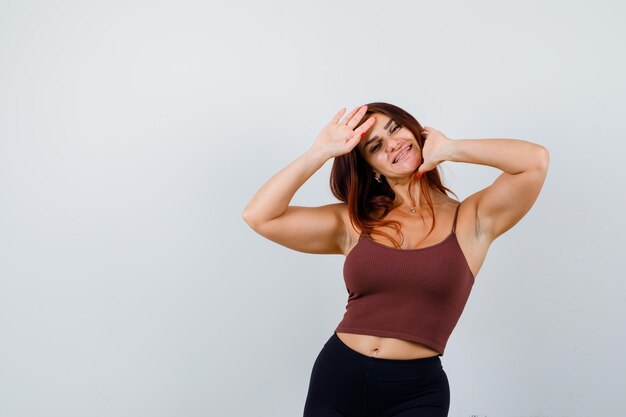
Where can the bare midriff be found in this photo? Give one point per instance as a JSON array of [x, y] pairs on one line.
[[386, 347]]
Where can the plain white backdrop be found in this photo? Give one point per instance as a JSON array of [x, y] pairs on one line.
[[133, 134]]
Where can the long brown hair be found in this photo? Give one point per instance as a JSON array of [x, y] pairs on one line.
[[352, 180]]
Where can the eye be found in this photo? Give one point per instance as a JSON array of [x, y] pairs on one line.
[[394, 130]]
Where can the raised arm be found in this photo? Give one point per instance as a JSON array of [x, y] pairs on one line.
[[501, 205], [306, 229]]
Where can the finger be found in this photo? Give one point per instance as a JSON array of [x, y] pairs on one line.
[[349, 116], [353, 140], [337, 116], [362, 130], [357, 117]]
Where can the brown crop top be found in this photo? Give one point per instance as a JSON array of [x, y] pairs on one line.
[[410, 294]]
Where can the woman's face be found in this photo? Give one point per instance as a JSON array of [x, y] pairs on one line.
[[385, 142]]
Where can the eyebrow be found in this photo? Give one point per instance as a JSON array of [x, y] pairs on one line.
[[373, 138]]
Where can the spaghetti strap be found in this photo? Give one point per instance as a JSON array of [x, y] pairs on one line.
[[456, 213]]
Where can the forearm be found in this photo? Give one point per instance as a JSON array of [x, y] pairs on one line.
[[273, 198], [509, 155]]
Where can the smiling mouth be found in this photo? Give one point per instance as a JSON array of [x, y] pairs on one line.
[[403, 154]]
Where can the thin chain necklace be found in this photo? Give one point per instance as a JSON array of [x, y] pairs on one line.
[[411, 209]]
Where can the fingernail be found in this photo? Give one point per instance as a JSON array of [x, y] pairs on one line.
[[362, 134]]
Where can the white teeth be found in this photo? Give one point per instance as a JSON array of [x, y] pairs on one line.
[[402, 154]]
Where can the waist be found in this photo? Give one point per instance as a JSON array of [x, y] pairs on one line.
[[385, 347]]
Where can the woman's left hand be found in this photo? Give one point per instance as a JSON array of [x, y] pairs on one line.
[[434, 150]]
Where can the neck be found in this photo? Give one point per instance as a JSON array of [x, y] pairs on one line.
[[403, 199], [403, 203]]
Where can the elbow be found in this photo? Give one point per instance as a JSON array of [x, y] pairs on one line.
[[250, 220], [543, 158], [246, 217]]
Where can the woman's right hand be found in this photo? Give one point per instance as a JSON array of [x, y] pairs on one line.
[[338, 138]]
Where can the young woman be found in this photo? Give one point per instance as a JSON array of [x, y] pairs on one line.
[[412, 252]]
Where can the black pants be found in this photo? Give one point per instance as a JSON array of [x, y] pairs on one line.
[[346, 383]]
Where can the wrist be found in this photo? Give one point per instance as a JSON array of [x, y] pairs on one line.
[[451, 150], [317, 155]]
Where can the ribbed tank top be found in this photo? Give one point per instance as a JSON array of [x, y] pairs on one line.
[[410, 294]]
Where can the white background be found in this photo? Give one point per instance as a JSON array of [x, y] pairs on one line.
[[133, 134]]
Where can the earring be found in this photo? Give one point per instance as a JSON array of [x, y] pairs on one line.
[[377, 178]]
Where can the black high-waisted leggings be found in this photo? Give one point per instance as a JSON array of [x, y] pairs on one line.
[[346, 383]]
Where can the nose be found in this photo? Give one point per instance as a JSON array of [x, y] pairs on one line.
[[392, 144]]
